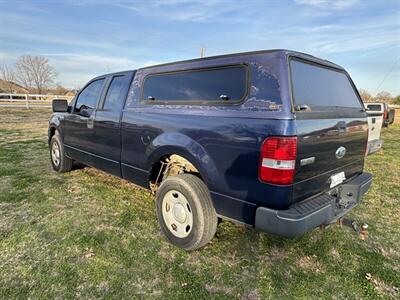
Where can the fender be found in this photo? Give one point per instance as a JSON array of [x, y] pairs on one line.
[[54, 123], [178, 143]]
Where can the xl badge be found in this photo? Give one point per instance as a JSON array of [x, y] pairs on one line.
[[340, 152]]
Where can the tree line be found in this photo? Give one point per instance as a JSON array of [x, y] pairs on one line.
[[30, 73], [380, 97], [35, 75]]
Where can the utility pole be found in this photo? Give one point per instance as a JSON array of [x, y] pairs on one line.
[[202, 52]]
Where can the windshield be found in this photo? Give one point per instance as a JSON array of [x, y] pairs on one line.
[[321, 88]]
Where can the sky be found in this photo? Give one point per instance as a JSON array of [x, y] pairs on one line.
[[85, 38]]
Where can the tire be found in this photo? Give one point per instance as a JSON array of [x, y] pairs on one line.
[[200, 214], [60, 163]]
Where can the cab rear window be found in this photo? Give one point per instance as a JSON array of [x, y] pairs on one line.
[[319, 88], [374, 107]]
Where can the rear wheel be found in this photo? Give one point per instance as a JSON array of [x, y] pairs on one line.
[[59, 161], [185, 211]]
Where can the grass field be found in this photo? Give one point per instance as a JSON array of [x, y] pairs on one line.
[[86, 234]]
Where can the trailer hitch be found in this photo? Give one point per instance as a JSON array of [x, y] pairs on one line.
[[362, 230]]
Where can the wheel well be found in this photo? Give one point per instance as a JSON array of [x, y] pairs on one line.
[[51, 133], [167, 165]]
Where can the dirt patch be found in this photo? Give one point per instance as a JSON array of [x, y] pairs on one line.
[[310, 263], [220, 289], [382, 288]]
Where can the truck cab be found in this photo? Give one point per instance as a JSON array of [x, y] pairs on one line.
[[271, 139]]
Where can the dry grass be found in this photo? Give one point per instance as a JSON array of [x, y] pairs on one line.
[[86, 234]]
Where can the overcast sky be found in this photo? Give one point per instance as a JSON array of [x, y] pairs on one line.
[[83, 38]]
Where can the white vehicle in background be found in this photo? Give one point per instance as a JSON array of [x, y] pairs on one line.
[[375, 111]]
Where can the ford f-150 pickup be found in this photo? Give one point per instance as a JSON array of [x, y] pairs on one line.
[[273, 139]]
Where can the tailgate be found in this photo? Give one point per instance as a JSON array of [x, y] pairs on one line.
[[332, 128], [327, 147], [375, 121], [374, 126]]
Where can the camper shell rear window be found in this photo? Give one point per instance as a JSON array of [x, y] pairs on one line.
[[320, 88]]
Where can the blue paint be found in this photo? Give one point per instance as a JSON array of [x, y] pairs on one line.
[[222, 141]]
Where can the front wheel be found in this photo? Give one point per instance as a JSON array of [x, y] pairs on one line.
[[185, 211], [59, 161]]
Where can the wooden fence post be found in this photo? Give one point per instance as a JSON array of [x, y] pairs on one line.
[[27, 102]]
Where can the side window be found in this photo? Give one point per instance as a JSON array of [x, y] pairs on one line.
[[116, 93], [204, 85], [88, 98]]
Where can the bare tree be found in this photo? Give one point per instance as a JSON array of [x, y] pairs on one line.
[[396, 100], [35, 72], [384, 97], [7, 74], [59, 89], [365, 95]]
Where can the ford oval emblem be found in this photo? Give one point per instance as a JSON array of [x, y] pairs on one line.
[[340, 152]]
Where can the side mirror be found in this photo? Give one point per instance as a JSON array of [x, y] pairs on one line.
[[85, 113], [60, 105]]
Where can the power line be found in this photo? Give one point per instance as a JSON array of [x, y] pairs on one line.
[[387, 74]]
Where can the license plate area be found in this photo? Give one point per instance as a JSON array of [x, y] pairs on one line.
[[337, 179]]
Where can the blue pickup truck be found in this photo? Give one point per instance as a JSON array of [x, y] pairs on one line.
[[272, 139]]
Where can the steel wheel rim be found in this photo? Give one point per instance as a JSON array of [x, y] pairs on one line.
[[177, 214], [55, 154]]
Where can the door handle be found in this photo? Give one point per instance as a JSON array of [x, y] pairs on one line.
[[90, 123]]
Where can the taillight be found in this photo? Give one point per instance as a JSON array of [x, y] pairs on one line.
[[385, 114], [278, 160]]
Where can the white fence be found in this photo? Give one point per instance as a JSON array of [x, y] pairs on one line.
[[29, 100]]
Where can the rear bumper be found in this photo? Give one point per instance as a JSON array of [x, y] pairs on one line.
[[321, 210], [374, 146]]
